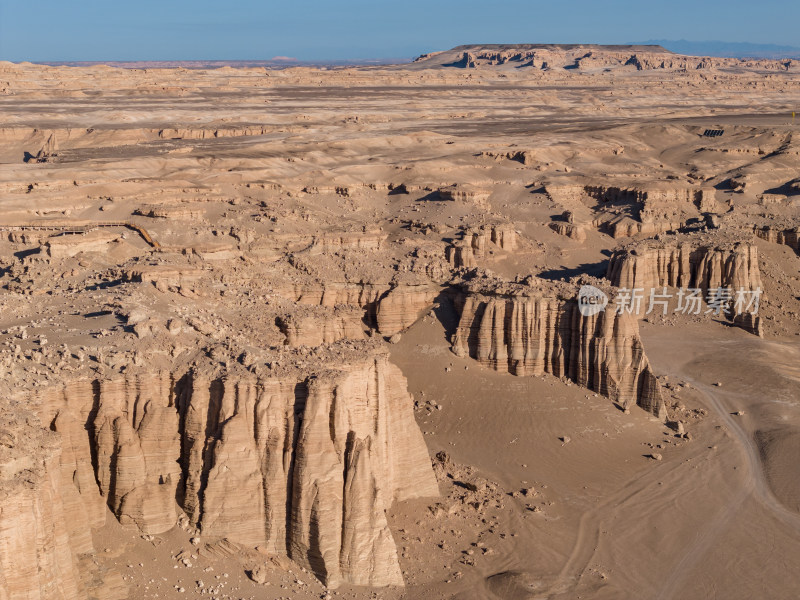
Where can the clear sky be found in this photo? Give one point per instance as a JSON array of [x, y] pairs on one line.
[[63, 30]]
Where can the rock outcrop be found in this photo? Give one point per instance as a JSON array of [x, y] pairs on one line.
[[655, 265], [315, 326], [304, 464], [474, 244], [570, 230], [623, 211], [789, 236], [37, 560], [387, 307], [586, 57], [537, 328]]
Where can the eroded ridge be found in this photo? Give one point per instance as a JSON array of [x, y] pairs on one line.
[[536, 327], [304, 465]]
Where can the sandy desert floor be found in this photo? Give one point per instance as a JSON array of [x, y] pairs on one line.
[[313, 240]]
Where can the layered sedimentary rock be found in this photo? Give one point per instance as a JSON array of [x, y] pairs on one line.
[[363, 241], [388, 307], [623, 211], [537, 328], [570, 230], [687, 264], [474, 244], [654, 265], [789, 236], [322, 326], [465, 193], [304, 464], [37, 559], [402, 306]]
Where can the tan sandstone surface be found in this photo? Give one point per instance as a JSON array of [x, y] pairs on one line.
[[317, 333]]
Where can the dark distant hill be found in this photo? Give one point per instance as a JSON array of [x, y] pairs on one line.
[[728, 49]]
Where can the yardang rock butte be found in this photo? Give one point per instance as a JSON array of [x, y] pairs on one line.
[[314, 332]]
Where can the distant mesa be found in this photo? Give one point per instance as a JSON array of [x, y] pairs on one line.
[[585, 57]]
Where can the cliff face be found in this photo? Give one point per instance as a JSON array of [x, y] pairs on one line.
[[37, 561], [654, 266], [322, 326], [789, 236], [475, 243], [583, 57], [542, 331], [387, 307], [638, 209], [49, 500], [686, 265], [305, 465]]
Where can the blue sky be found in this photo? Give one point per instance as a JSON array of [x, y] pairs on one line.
[[50, 30]]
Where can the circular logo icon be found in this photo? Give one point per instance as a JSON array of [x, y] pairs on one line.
[[591, 300]]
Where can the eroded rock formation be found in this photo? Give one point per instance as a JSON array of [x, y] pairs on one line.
[[537, 328], [304, 464], [474, 244], [623, 211], [686, 264], [655, 265]]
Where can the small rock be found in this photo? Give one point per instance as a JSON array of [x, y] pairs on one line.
[[565, 439], [656, 456], [258, 574]]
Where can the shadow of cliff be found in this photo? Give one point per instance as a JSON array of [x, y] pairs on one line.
[[598, 269], [445, 311]]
